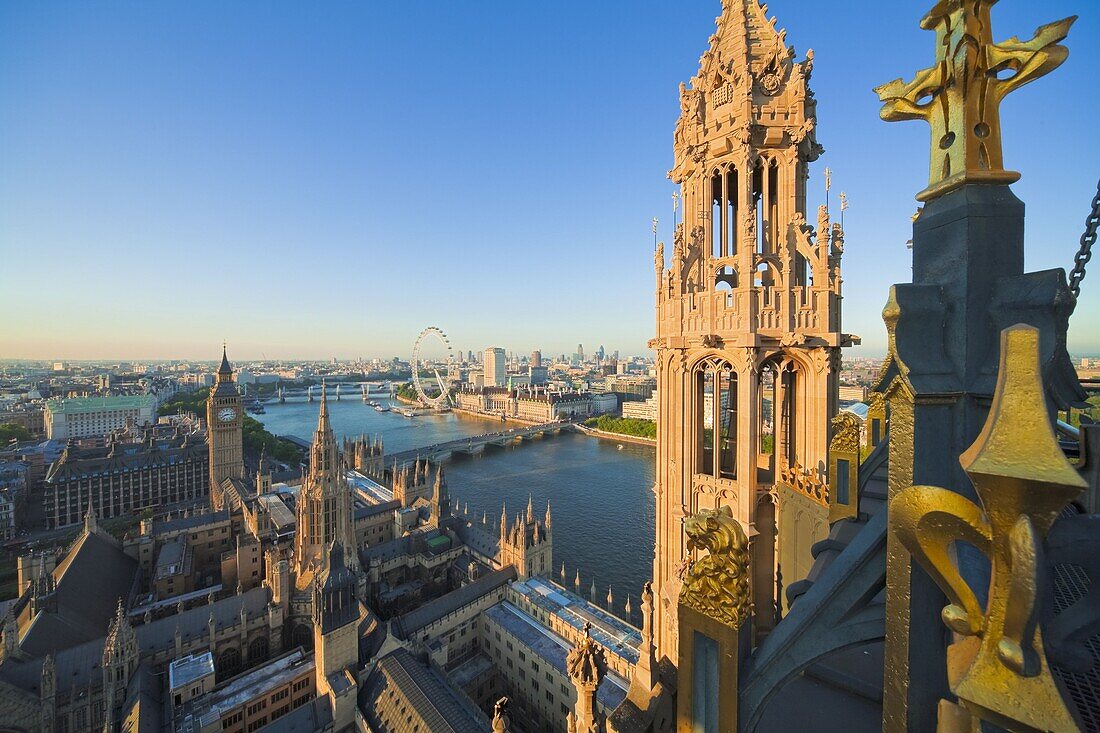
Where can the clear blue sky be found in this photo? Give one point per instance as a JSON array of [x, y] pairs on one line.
[[319, 179]]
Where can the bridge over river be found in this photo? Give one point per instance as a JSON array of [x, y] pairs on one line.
[[478, 443], [467, 446]]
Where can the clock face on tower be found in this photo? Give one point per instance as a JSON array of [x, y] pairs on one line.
[[226, 414]]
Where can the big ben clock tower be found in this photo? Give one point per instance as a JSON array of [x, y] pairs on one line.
[[224, 425]]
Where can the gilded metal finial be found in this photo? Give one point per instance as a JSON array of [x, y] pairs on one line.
[[997, 668], [960, 95]]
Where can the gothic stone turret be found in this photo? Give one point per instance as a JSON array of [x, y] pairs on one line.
[[335, 638], [120, 660], [748, 310], [527, 543], [324, 506]]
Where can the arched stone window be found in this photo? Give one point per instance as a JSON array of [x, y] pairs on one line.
[[257, 650], [302, 636], [724, 219], [780, 417], [229, 663], [716, 419]]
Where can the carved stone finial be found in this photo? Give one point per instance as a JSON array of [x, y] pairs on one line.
[[960, 95], [502, 723], [586, 665], [717, 585]]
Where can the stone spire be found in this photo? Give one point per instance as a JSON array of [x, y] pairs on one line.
[[577, 582], [120, 659], [586, 665], [530, 508], [547, 521], [90, 523], [225, 370], [324, 512], [120, 646], [645, 669], [441, 500]]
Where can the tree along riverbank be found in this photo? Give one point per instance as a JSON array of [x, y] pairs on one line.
[[619, 437]]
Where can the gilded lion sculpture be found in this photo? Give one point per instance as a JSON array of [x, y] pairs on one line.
[[717, 584]]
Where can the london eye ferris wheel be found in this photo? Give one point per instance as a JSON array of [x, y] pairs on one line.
[[428, 336]]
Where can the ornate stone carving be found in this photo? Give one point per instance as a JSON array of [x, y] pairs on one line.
[[798, 134], [837, 241], [791, 339], [846, 430], [717, 585], [750, 226], [823, 222], [997, 668], [960, 95], [770, 78], [710, 341]]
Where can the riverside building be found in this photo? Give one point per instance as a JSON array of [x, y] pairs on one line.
[[81, 417]]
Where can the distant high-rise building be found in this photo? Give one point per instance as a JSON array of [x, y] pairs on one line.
[[580, 352], [600, 353], [536, 358], [496, 372]]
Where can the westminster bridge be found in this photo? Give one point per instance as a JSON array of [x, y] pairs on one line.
[[469, 446], [476, 444]]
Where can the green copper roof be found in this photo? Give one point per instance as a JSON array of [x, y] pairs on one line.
[[73, 405]]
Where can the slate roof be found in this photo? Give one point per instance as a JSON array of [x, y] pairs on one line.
[[315, 715], [143, 710], [478, 538], [551, 648], [436, 706], [77, 463], [386, 550], [185, 523], [368, 510], [90, 580], [408, 624], [79, 666]]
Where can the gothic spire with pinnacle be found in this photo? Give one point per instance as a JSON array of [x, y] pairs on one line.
[[225, 369]]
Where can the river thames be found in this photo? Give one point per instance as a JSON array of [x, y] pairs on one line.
[[601, 495]]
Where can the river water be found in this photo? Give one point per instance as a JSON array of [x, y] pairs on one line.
[[601, 495]]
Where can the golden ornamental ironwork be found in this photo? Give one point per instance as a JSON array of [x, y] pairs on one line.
[[717, 584], [997, 668], [960, 95], [806, 482]]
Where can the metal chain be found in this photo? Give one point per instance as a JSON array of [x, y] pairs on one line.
[[1084, 254]]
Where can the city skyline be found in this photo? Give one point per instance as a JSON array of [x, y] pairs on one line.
[[199, 156]]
